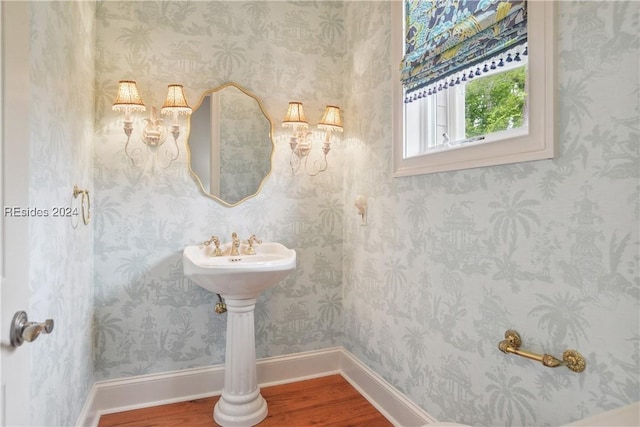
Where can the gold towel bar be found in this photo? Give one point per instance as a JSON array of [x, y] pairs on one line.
[[570, 358]]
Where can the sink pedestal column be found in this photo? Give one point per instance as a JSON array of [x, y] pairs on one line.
[[241, 403]]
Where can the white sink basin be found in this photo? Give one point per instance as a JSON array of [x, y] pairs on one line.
[[242, 276]]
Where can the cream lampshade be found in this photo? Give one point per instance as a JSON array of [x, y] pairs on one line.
[[331, 119], [127, 98], [295, 116], [176, 102]]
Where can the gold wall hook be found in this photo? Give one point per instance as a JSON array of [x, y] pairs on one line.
[[570, 358], [361, 205]]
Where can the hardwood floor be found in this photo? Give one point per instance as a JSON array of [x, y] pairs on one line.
[[326, 401]]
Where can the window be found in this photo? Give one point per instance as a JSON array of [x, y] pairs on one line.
[[467, 112], [498, 115]]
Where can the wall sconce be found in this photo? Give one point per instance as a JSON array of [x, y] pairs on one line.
[[301, 141], [154, 134]]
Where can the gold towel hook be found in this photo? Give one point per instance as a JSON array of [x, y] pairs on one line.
[[570, 358], [86, 212]]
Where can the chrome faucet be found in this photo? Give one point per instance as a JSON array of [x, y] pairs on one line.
[[235, 245]]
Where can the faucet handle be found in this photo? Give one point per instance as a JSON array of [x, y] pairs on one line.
[[216, 241], [251, 241]]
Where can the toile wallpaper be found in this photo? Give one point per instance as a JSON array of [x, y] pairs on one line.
[[61, 258], [149, 317], [450, 261], [422, 294]]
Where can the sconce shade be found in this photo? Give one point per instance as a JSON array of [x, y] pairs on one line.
[[295, 116], [176, 102], [128, 98], [331, 119]]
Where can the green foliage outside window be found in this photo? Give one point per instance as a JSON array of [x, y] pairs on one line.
[[495, 103]]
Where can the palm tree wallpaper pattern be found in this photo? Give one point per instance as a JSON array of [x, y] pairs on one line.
[[149, 317], [449, 261]]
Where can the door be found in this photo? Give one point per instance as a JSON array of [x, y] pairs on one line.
[[15, 363]]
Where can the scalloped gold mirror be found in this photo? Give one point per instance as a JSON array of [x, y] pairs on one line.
[[230, 145]]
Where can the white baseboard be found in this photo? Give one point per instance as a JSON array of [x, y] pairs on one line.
[[391, 403], [144, 391]]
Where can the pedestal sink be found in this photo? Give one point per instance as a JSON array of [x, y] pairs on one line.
[[239, 280]]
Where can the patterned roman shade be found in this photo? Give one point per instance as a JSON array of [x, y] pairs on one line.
[[449, 41]]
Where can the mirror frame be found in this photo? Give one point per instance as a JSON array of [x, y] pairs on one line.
[[271, 133]]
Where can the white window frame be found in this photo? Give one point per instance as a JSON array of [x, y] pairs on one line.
[[427, 114], [500, 147]]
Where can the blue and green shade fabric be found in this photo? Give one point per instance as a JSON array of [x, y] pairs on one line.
[[446, 39]]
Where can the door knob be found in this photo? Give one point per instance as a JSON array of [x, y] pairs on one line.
[[22, 330]]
